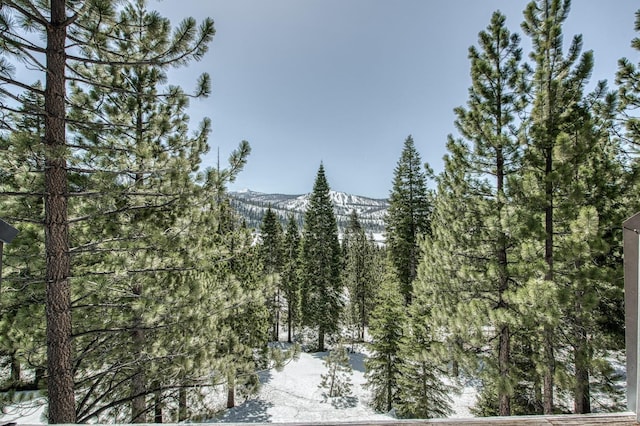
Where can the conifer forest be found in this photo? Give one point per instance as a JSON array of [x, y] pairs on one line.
[[133, 287]]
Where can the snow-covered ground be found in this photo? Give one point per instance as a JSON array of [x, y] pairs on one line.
[[291, 395]]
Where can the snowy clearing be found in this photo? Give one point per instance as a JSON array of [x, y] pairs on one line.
[[291, 395]]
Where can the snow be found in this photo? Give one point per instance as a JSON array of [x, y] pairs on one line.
[[29, 412], [291, 395]]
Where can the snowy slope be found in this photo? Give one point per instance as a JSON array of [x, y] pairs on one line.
[[252, 205]]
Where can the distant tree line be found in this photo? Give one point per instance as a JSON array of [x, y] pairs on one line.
[[253, 211]]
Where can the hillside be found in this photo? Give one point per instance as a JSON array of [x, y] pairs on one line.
[[252, 205]]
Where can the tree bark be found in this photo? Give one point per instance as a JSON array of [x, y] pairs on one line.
[[321, 340], [582, 395], [549, 357], [289, 323], [231, 391], [157, 407], [138, 381], [276, 326], [15, 369], [504, 363], [182, 405], [56, 226]]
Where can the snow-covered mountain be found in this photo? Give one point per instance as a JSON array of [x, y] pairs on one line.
[[252, 205]]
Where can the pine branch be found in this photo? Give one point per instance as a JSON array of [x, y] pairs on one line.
[[20, 85], [121, 210], [35, 16]]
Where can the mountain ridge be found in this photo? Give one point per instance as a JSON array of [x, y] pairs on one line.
[[251, 205]]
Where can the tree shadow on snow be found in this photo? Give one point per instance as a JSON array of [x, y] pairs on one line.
[[265, 376], [251, 411], [357, 361], [342, 402]]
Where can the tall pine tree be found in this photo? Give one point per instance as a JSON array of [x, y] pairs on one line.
[[472, 213], [556, 149], [408, 215], [321, 296], [291, 275], [359, 273], [271, 253]]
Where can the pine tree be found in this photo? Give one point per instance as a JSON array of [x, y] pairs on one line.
[[626, 78], [246, 331], [384, 365], [321, 262], [555, 151], [86, 28], [22, 321], [271, 252], [140, 155], [422, 391], [359, 273], [408, 215], [337, 379], [291, 275], [471, 217]]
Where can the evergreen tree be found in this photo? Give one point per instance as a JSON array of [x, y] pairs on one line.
[[85, 27], [141, 159], [422, 392], [408, 215], [467, 270], [384, 365], [291, 275], [271, 252], [572, 172], [627, 79], [321, 262], [22, 295], [337, 379], [359, 273], [245, 333]]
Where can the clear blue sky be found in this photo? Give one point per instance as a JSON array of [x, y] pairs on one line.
[[346, 81]]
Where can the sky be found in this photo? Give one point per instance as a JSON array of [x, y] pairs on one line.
[[344, 82]]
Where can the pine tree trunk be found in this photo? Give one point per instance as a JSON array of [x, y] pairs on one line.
[[389, 385], [138, 381], [333, 380], [321, 340], [157, 407], [504, 364], [231, 391], [455, 368], [138, 404], [582, 397], [549, 372], [363, 323], [276, 328], [56, 226], [182, 405], [15, 369], [504, 350], [549, 357], [39, 376], [289, 323]]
